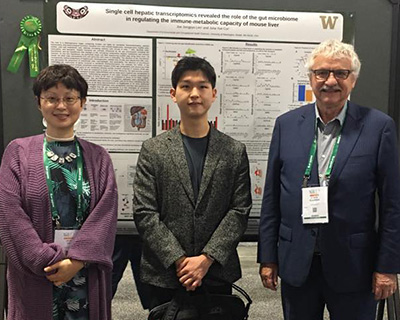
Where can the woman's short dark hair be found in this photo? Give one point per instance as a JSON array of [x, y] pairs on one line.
[[60, 73], [193, 64]]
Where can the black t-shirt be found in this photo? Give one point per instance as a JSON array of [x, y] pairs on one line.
[[195, 151]]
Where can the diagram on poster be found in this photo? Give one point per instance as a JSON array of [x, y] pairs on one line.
[[257, 177], [118, 124], [125, 170]]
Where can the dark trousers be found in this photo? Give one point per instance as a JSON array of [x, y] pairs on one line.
[[308, 301], [129, 248], [160, 295]]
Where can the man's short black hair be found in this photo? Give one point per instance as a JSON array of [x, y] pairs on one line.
[[193, 64], [60, 73]]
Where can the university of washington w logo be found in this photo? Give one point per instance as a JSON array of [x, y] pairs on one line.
[[328, 22]]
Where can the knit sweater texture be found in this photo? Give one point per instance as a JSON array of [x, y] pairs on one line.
[[26, 230]]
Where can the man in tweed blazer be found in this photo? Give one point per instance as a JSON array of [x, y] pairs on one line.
[[191, 193]]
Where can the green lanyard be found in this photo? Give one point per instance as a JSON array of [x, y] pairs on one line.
[[50, 185], [313, 150]]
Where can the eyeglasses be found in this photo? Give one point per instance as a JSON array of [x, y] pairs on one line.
[[339, 74], [53, 101]]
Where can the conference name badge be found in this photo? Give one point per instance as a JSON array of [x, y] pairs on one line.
[[315, 205], [63, 238]]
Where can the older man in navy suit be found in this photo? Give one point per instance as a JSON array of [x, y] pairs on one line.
[[321, 229]]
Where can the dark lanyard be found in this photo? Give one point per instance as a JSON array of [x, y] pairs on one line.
[[313, 151], [50, 185]]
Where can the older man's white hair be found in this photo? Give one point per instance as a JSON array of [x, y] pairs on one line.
[[335, 49]]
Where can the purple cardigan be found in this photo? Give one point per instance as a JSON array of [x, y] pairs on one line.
[[26, 230]]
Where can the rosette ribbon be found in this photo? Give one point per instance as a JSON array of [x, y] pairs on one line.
[[30, 28]]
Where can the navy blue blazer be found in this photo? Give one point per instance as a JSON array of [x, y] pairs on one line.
[[361, 237]]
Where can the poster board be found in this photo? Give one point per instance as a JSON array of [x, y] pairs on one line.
[[258, 56]]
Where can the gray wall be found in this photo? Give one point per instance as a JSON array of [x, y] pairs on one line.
[[373, 27]]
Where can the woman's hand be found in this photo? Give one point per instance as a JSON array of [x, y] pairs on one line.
[[64, 270]]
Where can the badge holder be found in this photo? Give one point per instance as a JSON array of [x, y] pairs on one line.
[[315, 204], [64, 237]]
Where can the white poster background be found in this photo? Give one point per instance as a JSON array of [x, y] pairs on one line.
[[111, 66], [110, 122], [155, 21]]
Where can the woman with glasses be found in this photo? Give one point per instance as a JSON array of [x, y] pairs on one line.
[[58, 211]]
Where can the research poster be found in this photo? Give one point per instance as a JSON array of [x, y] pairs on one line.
[[127, 53]]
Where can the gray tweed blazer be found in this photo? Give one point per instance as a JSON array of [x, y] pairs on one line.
[[172, 224]]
